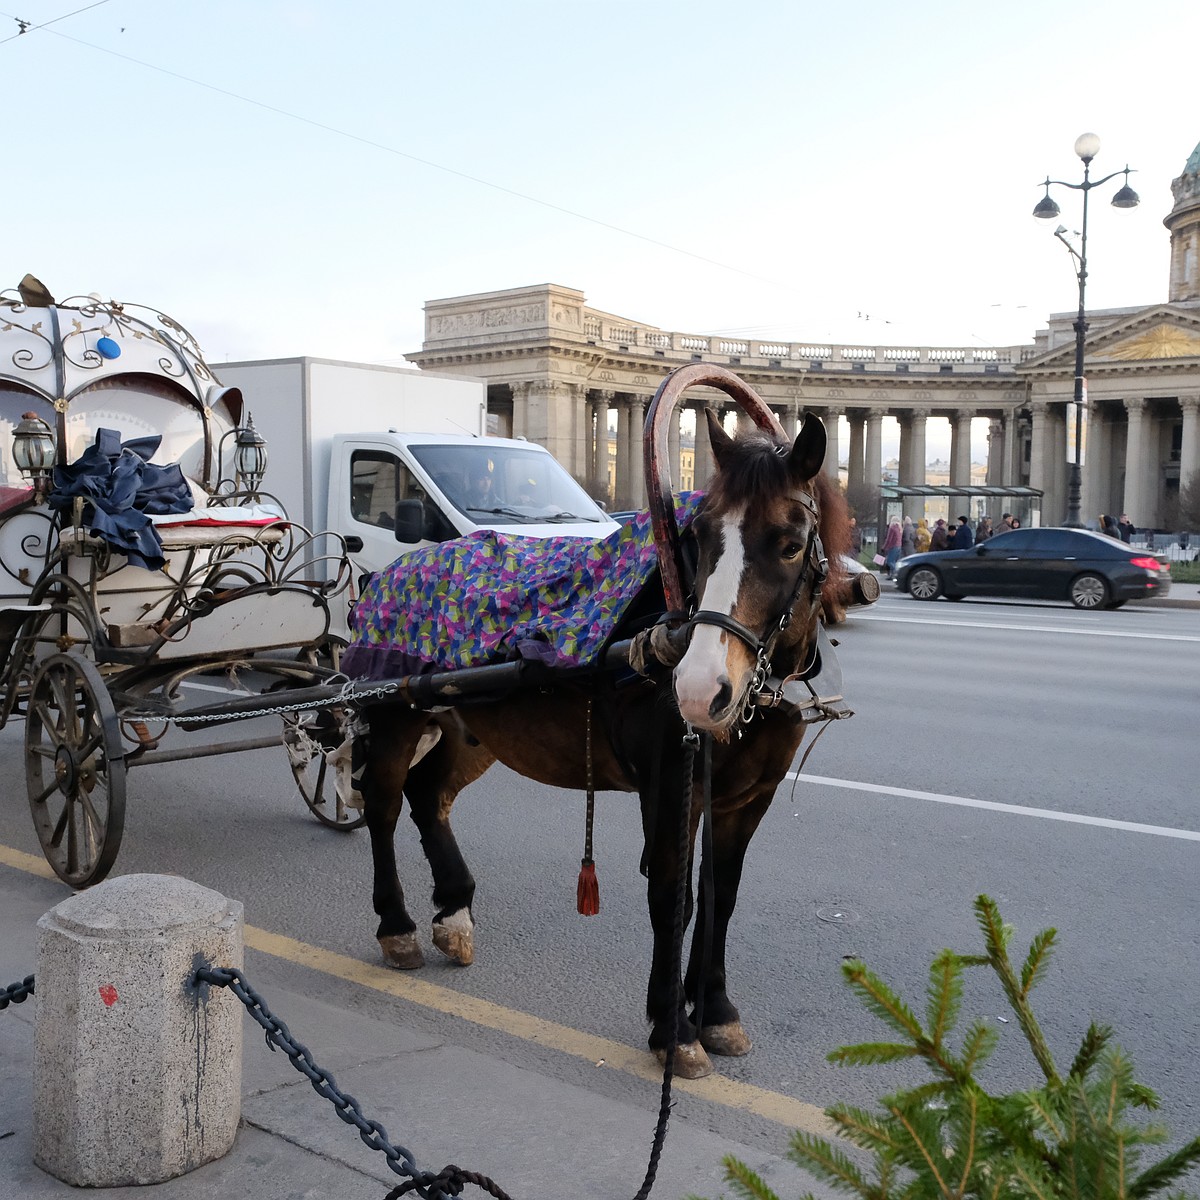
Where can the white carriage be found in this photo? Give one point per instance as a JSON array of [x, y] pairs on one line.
[[102, 650]]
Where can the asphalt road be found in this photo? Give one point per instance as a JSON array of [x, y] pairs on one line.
[[1042, 755]]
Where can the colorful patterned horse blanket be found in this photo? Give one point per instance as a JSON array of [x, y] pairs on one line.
[[490, 598]]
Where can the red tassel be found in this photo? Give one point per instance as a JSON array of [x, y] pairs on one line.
[[587, 891]]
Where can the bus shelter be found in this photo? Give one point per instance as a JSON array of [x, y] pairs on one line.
[[933, 500]]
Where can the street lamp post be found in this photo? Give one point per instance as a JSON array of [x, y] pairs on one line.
[[1087, 146]]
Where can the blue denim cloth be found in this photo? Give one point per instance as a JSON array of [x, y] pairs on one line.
[[121, 488]]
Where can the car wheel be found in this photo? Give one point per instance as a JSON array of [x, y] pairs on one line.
[[924, 583], [1088, 591]]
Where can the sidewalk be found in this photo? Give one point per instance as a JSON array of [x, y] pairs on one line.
[[1183, 595], [534, 1135]]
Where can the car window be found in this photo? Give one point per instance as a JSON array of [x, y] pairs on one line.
[[377, 481], [1015, 541], [1059, 543]]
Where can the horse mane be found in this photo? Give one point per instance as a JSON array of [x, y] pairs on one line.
[[754, 469]]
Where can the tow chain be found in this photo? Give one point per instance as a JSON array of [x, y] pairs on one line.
[[15, 993], [433, 1185]]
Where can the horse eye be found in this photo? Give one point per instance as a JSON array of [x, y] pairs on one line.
[[792, 550]]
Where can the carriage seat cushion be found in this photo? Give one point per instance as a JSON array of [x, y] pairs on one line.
[[489, 597], [204, 526]]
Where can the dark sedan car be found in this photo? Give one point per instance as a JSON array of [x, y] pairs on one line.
[[1089, 569]]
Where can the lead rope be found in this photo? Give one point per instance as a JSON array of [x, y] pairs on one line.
[[691, 740], [587, 889]]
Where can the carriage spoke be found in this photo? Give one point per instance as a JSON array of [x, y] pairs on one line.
[[45, 793], [61, 825]]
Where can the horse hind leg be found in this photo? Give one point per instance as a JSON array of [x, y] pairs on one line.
[[432, 786]]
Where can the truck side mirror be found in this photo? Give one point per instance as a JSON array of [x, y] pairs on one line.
[[410, 521]]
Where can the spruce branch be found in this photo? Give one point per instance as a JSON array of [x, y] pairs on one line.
[[744, 1181], [1094, 1041], [944, 996], [881, 1000], [1040, 950], [1165, 1172]]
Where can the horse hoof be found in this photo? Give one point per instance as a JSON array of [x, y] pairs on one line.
[[455, 937], [690, 1061], [402, 950], [731, 1040]]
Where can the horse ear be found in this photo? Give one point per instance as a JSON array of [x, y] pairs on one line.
[[808, 450], [717, 437]]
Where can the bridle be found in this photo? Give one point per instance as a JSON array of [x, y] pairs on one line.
[[814, 571]]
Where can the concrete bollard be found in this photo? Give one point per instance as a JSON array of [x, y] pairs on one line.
[[137, 1074]]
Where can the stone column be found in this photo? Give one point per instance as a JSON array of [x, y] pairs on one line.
[[673, 448], [1189, 453], [703, 450], [1136, 502], [995, 454], [832, 454], [914, 506], [1094, 493], [599, 404], [1056, 466], [1038, 451], [1011, 468], [873, 455], [637, 452], [621, 482], [520, 397], [960, 448], [793, 421], [854, 475]]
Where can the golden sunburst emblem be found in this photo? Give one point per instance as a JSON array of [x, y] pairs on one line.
[[1164, 341]]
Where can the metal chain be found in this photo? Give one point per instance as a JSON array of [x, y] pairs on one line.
[[16, 993], [433, 1185], [348, 695]]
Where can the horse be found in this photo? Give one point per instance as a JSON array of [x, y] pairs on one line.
[[767, 541]]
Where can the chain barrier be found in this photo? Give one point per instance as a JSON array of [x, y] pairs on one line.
[[431, 1185], [15, 993]]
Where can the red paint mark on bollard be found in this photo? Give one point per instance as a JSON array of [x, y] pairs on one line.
[[108, 994]]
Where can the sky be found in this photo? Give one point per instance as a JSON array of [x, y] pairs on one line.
[[300, 178]]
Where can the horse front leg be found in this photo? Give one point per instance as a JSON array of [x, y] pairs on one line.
[[721, 1030], [457, 760], [394, 735], [667, 859]]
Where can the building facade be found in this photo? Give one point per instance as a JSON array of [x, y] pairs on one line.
[[558, 370]]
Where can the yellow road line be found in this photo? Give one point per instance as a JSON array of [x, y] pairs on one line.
[[598, 1051], [795, 1114]]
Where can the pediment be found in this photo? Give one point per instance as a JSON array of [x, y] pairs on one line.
[[1158, 334]]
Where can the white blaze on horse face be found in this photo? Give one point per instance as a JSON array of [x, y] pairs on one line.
[[703, 678]]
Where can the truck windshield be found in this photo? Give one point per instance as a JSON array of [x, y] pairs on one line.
[[525, 486]]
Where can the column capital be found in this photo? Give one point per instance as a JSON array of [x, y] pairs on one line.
[[832, 412], [604, 395], [1136, 404], [920, 414], [1190, 404], [964, 414]]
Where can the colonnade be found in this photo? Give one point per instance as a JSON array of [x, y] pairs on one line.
[[1130, 446]]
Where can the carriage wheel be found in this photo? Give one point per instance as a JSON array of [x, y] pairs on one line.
[[75, 769], [309, 737]]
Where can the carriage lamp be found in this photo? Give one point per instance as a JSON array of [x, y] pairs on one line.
[[249, 456], [33, 450], [1087, 146]]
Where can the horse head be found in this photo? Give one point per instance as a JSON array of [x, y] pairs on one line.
[[762, 535]]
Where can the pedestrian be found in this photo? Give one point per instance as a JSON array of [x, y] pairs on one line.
[[1016, 523], [964, 539], [908, 538], [891, 545], [921, 537], [855, 538], [1108, 525], [939, 538], [1006, 523], [983, 530], [1125, 526]]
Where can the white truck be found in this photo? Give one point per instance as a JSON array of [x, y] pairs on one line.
[[393, 459]]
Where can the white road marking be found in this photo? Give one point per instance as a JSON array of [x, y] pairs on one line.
[[1022, 628], [1048, 814]]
